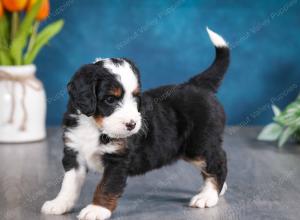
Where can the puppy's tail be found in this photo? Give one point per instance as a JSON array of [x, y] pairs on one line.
[[212, 77]]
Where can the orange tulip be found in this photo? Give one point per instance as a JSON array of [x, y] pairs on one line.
[[14, 5], [44, 10]]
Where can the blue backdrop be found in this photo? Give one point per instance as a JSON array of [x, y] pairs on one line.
[[168, 42]]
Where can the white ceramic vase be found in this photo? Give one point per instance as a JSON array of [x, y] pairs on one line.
[[22, 105]]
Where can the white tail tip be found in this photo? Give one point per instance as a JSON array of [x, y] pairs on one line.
[[216, 39]]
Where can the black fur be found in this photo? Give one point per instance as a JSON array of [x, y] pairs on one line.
[[88, 90], [82, 89], [69, 160], [104, 139], [115, 173], [180, 121], [213, 76]]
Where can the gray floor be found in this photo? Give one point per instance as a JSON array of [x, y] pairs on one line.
[[264, 183]]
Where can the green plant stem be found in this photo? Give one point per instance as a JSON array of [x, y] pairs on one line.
[[14, 25], [33, 35]]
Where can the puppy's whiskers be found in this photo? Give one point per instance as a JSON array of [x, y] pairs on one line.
[[144, 128]]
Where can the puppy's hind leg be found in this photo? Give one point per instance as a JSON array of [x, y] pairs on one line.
[[71, 186], [214, 170]]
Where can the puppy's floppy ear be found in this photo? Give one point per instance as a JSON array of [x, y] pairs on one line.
[[82, 89]]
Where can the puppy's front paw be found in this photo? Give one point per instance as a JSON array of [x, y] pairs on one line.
[[94, 212], [56, 207], [206, 198]]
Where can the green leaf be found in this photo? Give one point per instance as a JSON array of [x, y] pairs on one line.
[[297, 135], [5, 58], [19, 42], [270, 133], [276, 110], [4, 46], [4, 30], [285, 135], [42, 38]]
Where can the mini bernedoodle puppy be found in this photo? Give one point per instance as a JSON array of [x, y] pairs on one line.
[[111, 126]]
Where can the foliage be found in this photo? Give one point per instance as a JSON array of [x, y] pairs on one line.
[[20, 39], [285, 126]]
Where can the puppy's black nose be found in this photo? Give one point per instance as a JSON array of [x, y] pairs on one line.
[[130, 125]]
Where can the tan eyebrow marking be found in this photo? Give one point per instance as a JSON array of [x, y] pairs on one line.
[[136, 91], [116, 92]]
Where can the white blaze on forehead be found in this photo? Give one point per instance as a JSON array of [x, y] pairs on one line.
[[127, 111], [124, 73]]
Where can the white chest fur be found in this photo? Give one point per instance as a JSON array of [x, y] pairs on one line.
[[84, 138]]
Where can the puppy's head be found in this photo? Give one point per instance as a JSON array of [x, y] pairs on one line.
[[109, 92]]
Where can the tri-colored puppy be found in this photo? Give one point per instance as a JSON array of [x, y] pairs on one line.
[[110, 124]]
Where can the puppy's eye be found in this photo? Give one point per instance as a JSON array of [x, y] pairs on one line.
[[110, 100]]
